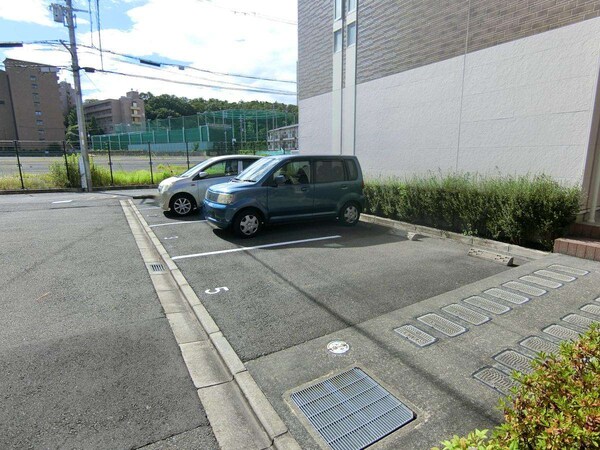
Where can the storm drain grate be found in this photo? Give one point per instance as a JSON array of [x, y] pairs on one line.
[[555, 276], [515, 360], [561, 332], [496, 379], [466, 314], [541, 281], [445, 326], [351, 410], [592, 309], [578, 320], [538, 345], [531, 290], [569, 270], [156, 267], [511, 297], [487, 305], [415, 335]]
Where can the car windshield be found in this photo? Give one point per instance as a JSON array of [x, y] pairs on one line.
[[257, 170], [197, 168]]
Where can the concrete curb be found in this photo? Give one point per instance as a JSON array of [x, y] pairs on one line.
[[509, 249], [254, 398], [94, 189]]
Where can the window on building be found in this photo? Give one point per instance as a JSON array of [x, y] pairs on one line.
[[134, 104], [38, 113], [36, 104], [34, 86], [32, 78], [337, 13], [36, 97], [1, 102], [39, 122], [337, 41], [351, 34], [350, 6]]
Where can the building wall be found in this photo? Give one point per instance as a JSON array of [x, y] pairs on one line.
[[36, 102], [521, 100], [7, 120], [108, 113], [397, 36], [67, 97]]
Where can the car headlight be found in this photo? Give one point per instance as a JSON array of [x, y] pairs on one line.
[[163, 186], [225, 199]]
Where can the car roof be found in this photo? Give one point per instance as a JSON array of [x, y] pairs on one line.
[[237, 156]]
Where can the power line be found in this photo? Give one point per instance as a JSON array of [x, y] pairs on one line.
[[252, 14], [258, 90]]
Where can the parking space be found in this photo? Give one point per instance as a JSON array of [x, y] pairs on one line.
[[442, 331], [302, 281]]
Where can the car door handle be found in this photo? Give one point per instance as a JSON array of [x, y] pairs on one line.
[[304, 189], [344, 186]]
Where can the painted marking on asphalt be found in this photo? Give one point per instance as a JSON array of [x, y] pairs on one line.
[[149, 207], [245, 249], [62, 201], [175, 223]]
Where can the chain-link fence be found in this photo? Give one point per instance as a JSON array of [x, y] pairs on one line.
[[29, 165]]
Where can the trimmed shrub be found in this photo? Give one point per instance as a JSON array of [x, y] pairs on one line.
[[555, 407], [519, 210]]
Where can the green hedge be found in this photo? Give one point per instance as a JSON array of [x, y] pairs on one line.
[[530, 211], [555, 407]]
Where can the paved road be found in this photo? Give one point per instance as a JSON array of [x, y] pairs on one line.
[[40, 164], [87, 357]]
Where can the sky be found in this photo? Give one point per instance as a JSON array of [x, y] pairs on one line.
[[255, 38]]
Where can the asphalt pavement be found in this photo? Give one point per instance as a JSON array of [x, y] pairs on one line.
[[87, 357]]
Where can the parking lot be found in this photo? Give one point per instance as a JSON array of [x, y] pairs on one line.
[[282, 297]]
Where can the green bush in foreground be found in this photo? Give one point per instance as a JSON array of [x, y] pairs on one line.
[[519, 210], [555, 407]]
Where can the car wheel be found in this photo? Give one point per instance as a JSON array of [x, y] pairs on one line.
[[247, 223], [183, 204], [349, 214]]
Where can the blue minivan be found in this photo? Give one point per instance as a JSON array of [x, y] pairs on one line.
[[287, 188]]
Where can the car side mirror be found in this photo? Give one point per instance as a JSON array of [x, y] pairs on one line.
[[279, 180], [200, 175]]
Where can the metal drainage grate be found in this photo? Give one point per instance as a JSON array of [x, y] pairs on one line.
[[156, 267], [561, 332], [531, 290], [487, 305], [415, 335], [592, 309], [445, 326], [351, 410], [515, 360], [555, 276], [569, 270], [496, 379], [578, 320], [539, 345], [511, 297], [466, 314], [541, 281]]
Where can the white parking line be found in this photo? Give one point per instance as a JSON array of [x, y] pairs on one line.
[[175, 223], [245, 249], [62, 201]]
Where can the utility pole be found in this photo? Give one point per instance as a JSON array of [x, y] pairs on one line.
[[58, 17]]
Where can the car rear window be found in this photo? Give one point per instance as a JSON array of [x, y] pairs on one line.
[[351, 168]]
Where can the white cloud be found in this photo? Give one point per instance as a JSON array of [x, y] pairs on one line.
[[30, 11], [203, 34]]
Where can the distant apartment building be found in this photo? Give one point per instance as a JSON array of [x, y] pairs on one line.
[[29, 102], [285, 138], [128, 110], [67, 97]]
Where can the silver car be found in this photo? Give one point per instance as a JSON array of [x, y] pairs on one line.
[[184, 193]]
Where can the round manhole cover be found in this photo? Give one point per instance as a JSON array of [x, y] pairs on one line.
[[338, 347]]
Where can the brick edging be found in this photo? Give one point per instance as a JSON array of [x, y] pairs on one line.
[[514, 250]]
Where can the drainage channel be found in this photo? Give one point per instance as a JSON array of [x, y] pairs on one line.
[[239, 413]]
